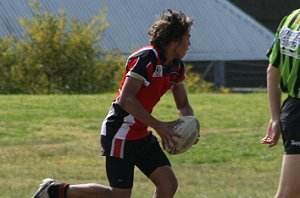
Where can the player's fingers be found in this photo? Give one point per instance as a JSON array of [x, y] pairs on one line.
[[198, 136], [167, 141], [266, 142], [197, 140], [175, 135], [265, 139], [173, 141], [273, 143], [172, 124], [163, 143]]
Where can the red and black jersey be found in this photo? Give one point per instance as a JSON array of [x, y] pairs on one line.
[[144, 64]]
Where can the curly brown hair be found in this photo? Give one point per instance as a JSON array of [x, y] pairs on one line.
[[172, 25]]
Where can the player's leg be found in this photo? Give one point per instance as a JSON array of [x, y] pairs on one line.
[[165, 182], [88, 190], [96, 191], [51, 189], [120, 176], [153, 162], [57, 190], [119, 169], [289, 185]]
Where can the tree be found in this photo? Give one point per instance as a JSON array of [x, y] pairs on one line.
[[8, 62], [66, 53]]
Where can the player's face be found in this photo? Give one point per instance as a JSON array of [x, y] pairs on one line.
[[183, 46]]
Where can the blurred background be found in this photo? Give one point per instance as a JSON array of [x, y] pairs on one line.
[[62, 46]]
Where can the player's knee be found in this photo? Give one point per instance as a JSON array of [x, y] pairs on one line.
[[168, 187], [174, 186]]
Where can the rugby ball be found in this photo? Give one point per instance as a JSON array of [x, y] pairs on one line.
[[188, 127]]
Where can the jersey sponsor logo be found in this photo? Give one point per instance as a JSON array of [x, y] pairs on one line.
[[158, 71], [295, 143], [289, 39], [289, 53]]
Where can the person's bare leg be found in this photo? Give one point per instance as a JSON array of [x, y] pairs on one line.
[[289, 184], [165, 181], [96, 191]]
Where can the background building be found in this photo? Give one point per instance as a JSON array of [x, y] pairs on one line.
[[267, 12], [228, 45]]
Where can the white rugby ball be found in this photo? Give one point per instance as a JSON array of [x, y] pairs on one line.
[[188, 127]]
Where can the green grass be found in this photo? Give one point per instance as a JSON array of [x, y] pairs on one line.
[[58, 136]]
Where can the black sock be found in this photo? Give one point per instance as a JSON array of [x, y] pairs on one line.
[[58, 190], [53, 191]]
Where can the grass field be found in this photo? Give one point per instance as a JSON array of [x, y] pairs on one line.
[[58, 136]]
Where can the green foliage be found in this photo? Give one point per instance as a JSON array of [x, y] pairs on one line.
[[58, 55], [61, 55], [64, 53], [8, 62], [110, 71], [195, 83]]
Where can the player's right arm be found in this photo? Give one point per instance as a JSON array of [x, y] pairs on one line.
[[274, 95], [130, 104]]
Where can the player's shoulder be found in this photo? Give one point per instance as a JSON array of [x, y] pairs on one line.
[[147, 52], [295, 11], [292, 15]]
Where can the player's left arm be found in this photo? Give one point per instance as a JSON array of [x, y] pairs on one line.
[[274, 94], [181, 100]]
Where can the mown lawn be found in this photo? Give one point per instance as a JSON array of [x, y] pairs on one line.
[[58, 136]]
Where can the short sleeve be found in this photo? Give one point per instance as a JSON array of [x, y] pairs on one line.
[[138, 63], [274, 51]]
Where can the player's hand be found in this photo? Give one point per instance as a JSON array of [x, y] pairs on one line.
[[273, 134], [166, 134], [197, 140]]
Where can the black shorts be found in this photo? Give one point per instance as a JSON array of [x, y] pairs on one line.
[[290, 125], [145, 153]]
